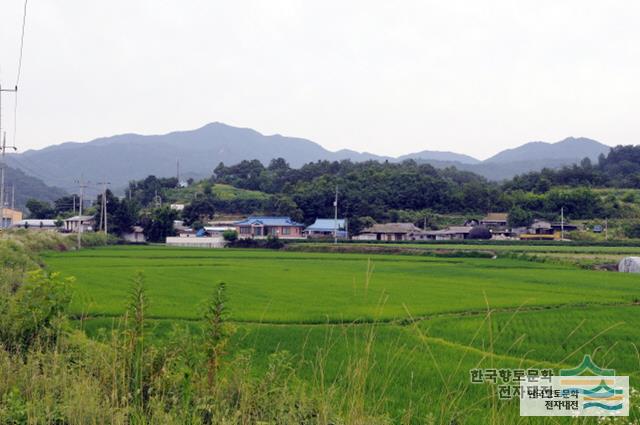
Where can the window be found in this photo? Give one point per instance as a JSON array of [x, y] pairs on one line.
[[286, 230]]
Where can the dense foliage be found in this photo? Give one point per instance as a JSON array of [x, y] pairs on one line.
[[620, 168]]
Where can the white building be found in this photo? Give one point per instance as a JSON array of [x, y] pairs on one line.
[[135, 236], [82, 223], [196, 242]]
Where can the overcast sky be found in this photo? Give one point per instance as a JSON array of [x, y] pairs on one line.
[[387, 77]]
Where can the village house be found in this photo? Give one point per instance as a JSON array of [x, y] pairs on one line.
[[136, 235], [325, 227], [450, 233], [81, 223], [391, 232], [492, 220], [10, 217], [260, 227], [545, 230]]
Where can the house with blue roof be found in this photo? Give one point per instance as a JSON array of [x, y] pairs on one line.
[[259, 227], [325, 227]]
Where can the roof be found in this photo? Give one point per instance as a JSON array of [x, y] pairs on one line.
[[218, 228], [326, 225], [496, 217], [453, 230], [79, 218], [268, 221], [541, 224], [393, 228]]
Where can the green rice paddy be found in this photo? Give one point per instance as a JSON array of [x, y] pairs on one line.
[[428, 319]]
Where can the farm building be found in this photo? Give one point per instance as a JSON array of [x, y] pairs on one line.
[[10, 217], [35, 224], [196, 241], [495, 220], [260, 227], [136, 235], [450, 233], [325, 227], [82, 223], [392, 232], [568, 227]]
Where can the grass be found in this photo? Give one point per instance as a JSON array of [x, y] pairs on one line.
[[423, 320], [279, 287], [221, 191]]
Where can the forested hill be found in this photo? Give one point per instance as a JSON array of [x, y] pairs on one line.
[[619, 169], [27, 187]]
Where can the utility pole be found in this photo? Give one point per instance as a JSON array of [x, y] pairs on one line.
[[103, 205], [82, 184], [3, 148], [335, 218], [13, 197], [561, 223], [606, 229]]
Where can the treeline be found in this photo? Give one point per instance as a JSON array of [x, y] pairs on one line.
[[371, 192], [384, 191]]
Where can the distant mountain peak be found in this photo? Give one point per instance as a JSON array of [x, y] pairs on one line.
[[440, 156], [131, 156], [571, 149]]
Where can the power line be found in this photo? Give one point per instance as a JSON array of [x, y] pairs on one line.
[[24, 22], [15, 104]]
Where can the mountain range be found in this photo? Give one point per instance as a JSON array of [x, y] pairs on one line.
[[122, 158]]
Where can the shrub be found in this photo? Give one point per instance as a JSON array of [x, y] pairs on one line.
[[273, 242], [34, 312], [632, 231], [230, 235], [480, 232]]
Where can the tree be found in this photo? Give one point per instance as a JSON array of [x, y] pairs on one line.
[[632, 231], [158, 224], [40, 209], [200, 209], [230, 235], [66, 204], [124, 217], [518, 217]]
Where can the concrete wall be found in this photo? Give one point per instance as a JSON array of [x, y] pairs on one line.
[[205, 242]]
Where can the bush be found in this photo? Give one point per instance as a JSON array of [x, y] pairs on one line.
[[33, 313], [271, 242], [230, 235], [632, 231], [480, 232]]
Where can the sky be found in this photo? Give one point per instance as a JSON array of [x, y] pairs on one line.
[[378, 76]]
